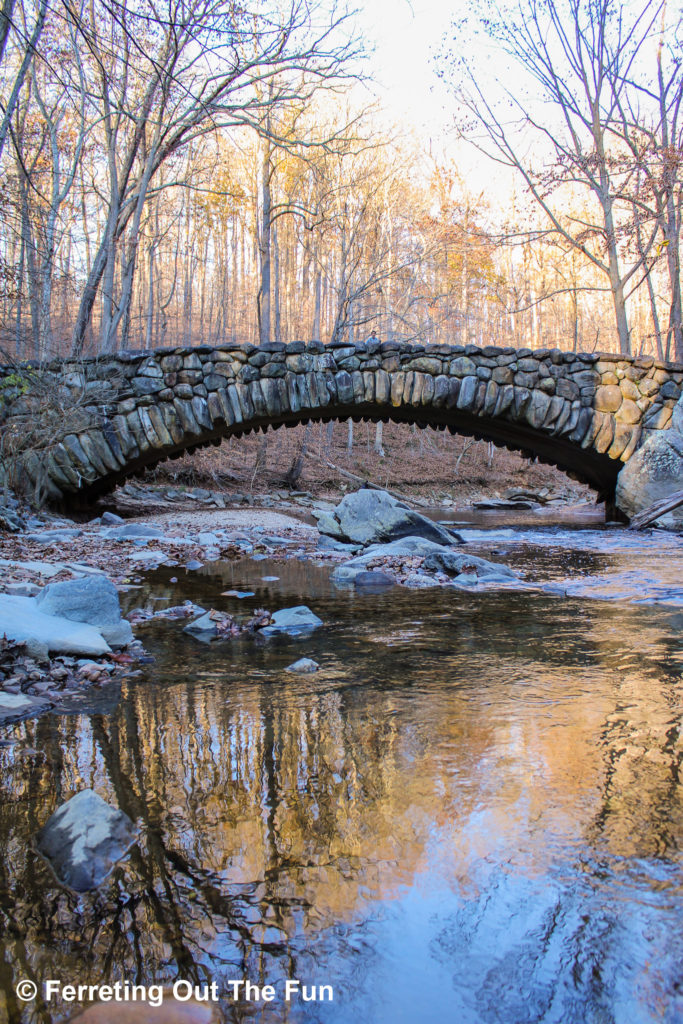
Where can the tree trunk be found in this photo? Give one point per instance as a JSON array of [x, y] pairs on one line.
[[264, 248], [378, 447]]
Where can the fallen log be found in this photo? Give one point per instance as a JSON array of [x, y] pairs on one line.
[[653, 512]]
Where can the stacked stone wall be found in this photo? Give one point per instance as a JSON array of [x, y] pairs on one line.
[[580, 410]]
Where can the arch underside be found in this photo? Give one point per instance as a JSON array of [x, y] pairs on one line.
[[597, 470]]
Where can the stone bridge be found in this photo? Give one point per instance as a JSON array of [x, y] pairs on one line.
[[79, 428]]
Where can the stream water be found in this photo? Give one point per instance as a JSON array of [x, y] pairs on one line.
[[472, 813]]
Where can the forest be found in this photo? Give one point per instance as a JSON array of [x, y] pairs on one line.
[[204, 171]]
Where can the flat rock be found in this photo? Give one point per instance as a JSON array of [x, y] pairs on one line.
[[204, 628], [299, 619], [23, 621], [209, 540], [372, 517], [132, 530], [111, 519], [456, 562], [373, 579], [84, 839], [153, 557], [53, 536], [327, 543], [44, 569], [419, 581], [406, 546], [20, 705], [22, 589], [304, 666]]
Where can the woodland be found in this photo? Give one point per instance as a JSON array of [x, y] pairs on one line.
[[205, 171]]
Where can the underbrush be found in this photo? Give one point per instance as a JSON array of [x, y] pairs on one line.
[[430, 464]]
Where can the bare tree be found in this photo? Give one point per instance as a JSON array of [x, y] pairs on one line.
[[579, 57], [27, 38], [202, 66]]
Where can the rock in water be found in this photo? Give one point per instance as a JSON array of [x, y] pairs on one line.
[[19, 705], [454, 563], [94, 599], [653, 472], [373, 580], [169, 1012], [292, 620], [304, 666], [84, 839], [375, 517], [24, 622]]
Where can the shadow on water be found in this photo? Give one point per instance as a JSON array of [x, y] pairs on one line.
[[471, 813]]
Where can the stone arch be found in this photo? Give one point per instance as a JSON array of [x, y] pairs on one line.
[[584, 413]]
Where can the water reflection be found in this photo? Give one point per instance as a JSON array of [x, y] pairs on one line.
[[472, 813]]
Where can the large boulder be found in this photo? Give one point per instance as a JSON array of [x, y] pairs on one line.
[[94, 599], [653, 472], [24, 622], [375, 517], [84, 839]]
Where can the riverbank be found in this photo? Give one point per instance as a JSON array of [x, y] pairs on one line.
[[184, 528]]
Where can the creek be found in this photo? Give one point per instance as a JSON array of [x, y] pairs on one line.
[[472, 813]]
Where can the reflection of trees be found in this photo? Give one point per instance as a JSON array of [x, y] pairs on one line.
[[271, 812]]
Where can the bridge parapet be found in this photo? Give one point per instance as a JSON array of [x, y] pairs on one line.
[[106, 418]]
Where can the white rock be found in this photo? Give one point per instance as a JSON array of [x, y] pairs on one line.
[[16, 705], [84, 839], [22, 621]]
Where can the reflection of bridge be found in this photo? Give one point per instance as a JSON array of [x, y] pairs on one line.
[[582, 412]]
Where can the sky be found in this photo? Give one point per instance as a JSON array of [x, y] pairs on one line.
[[406, 35]]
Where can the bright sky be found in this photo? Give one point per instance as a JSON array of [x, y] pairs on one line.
[[406, 35]]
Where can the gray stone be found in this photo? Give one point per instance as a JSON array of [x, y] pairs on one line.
[[299, 619], [304, 666], [21, 620], [419, 581], [371, 517], [94, 600], [53, 536], [677, 417], [193, 564], [653, 472], [372, 579], [84, 839], [209, 540], [132, 530], [327, 543], [456, 562], [20, 705], [204, 627], [410, 546], [111, 519]]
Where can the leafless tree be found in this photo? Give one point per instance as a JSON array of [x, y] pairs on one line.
[[579, 57]]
